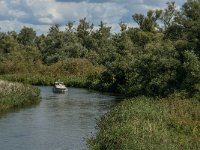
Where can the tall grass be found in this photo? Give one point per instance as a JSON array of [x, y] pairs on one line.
[[16, 95], [40, 79], [145, 123]]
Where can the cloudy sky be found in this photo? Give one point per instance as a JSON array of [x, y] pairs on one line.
[[41, 14]]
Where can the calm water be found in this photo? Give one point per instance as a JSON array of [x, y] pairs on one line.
[[59, 122]]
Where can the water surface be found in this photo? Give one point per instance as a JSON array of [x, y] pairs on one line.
[[59, 122]]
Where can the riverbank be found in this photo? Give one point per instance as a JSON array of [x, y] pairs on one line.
[[147, 123], [138, 123], [17, 95], [82, 81]]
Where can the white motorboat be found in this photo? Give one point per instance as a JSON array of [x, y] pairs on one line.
[[59, 87]]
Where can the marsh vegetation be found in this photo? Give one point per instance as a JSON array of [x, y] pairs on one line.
[[149, 123], [17, 95]]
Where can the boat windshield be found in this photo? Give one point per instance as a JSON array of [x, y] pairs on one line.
[[59, 83]]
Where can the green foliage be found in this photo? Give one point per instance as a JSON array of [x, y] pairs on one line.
[[148, 23], [74, 72], [71, 66], [154, 70], [150, 71], [28, 59], [191, 68], [7, 44], [168, 14], [26, 36], [139, 37], [16, 95], [136, 61], [73, 50], [146, 123], [52, 45], [83, 32], [186, 25]]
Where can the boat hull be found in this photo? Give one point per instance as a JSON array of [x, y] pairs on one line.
[[59, 90]]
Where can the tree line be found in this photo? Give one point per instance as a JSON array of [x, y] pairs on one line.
[[157, 58]]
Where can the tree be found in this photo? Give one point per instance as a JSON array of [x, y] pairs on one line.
[[8, 43], [102, 44], [84, 30], [191, 23], [186, 25], [27, 36], [191, 10], [125, 44], [190, 79], [123, 26], [70, 35], [53, 44], [138, 37], [153, 70], [148, 23], [70, 26], [168, 14]]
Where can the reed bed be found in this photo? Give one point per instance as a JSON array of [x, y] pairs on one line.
[[145, 123], [16, 95]]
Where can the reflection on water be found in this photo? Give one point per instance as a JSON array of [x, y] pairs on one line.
[[59, 122]]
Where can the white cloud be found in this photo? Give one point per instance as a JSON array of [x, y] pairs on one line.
[[17, 26], [43, 13]]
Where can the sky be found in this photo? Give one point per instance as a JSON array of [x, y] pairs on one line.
[[41, 14]]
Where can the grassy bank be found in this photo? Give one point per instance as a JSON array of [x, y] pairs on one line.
[[145, 123], [17, 95], [40, 79]]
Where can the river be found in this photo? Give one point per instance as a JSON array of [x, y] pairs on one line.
[[59, 122]]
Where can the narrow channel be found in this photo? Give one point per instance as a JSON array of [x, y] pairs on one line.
[[59, 122]]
